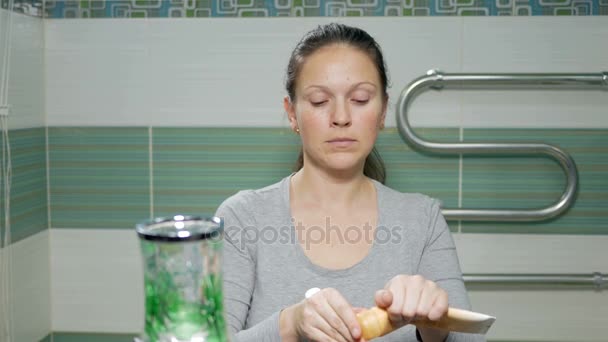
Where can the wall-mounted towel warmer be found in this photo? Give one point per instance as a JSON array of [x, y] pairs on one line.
[[435, 80]]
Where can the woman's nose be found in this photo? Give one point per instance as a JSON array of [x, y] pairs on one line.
[[341, 116]]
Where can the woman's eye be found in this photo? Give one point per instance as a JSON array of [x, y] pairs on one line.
[[318, 103], [360, 101]]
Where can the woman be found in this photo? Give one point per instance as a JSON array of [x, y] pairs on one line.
[[333, 224]]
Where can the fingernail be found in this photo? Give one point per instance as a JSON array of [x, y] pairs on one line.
[[356, 331]]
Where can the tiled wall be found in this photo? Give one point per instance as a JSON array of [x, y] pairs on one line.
[[148, 101], [132, 135], [112, 177]]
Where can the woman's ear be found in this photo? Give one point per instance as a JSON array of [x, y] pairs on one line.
[[291, 113], [383, 115]]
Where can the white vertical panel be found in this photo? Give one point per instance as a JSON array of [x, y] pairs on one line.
[[30, 288], [26, 85], [96, 281]]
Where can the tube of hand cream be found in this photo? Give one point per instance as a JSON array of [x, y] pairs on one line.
[[375, 322]]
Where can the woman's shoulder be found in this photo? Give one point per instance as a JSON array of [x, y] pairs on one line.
[[407, 203], [405, 198], [251, 199]]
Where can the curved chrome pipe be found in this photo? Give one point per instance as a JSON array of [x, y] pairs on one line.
[[437, 81], [596, 280]]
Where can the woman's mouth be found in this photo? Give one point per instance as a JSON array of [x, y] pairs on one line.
[[342, 142]]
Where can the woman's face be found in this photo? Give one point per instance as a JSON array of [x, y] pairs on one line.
[[338, 108]]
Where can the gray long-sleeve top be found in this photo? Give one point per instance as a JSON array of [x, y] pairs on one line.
[[266, 270]]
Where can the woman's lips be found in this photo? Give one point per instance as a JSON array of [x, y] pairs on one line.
[[342, 142]]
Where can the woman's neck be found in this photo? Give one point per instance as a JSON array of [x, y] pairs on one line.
[[325, 190]]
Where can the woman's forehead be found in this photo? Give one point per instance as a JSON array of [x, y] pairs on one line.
[[335, 64]]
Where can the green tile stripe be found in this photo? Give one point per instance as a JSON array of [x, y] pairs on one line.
[[534, 183], [28, 206], [195, 169], [90, 337], [412, 171], [99, 177]]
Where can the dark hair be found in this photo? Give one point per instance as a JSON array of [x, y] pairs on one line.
[[335, 34]]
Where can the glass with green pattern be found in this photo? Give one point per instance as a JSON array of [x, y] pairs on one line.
[[182, 279]]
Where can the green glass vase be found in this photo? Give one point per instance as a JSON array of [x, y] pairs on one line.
[[182, 279]]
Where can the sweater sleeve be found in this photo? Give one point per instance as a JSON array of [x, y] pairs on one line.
[[239, 269], [439, 263]]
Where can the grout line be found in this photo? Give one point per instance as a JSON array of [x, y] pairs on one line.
[[48, 172], [461, 128], [151, 170], [48, 177], [49, 235], [460, 178]]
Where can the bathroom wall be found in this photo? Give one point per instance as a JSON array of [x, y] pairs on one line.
[[29, 252], [161, 115], [157, 116]]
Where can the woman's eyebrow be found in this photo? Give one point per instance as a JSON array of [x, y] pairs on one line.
[[356, 85]]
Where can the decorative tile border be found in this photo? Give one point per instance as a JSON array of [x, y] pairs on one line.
[[66, 9], [27, 7]]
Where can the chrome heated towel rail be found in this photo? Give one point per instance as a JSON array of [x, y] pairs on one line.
[[435, 80]]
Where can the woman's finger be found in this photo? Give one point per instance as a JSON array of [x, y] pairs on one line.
[[383, 298], [439, 307], [395, 310], [332, 324], [411, 300], [427, 298], [315, 319], [316, 334], [347, 316]]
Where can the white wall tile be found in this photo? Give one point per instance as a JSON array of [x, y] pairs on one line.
[[532, 253], [30, 288], [557, 316], [221, 72], [96, 281], [538, 315], [229, 72], [26, 86], [536, 45]]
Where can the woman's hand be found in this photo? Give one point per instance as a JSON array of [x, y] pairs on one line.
[[325, 316], [407, 298]]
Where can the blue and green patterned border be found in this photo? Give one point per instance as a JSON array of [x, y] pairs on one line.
[[66, 9]]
